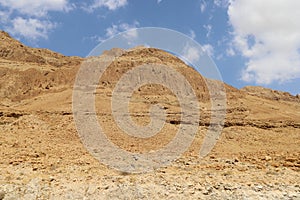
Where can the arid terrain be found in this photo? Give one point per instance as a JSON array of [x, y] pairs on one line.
[[42, 156]]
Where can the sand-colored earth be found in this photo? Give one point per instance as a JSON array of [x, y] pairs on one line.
[[42, 156]]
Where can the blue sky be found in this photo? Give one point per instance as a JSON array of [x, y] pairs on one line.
[[252, 42]]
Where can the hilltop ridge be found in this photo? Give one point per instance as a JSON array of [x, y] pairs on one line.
[[11, 49]]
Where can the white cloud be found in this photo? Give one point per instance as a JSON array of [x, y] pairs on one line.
[[221, 3], [93, 38], [30, 18], [192, 34], [4, 16], [111, 31], [230, 52], [203, 7], [31, 28], [115, 29], [130, 35], [267, 33], [158, 1], [191, 53], [109, 4], [208, 29], [207, 48], [36, 8]]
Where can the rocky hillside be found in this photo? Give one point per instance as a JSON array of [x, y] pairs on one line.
[[11, 49], [274, 95], [42, 156]]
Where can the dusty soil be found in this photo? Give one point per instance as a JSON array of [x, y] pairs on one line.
[[42, 156]]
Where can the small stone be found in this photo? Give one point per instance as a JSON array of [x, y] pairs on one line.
[[275, 165], [285, 194], [268, 158], [207, 191], [228, 187], [217, 186], [291, 159], [288, 164], [229, 162], [105, 187], [292, 196], [258, 188], [91, 190]]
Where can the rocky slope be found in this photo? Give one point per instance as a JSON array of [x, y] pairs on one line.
[[270, 94], [11, 49], [42, 157]]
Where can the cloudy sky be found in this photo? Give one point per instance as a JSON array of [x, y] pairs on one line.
[[253, 42]]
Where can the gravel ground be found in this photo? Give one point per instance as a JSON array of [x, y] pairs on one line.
[[185, 179]]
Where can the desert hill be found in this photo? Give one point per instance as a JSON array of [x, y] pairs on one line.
[[270, 94], [257, 155], [11, 49]]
